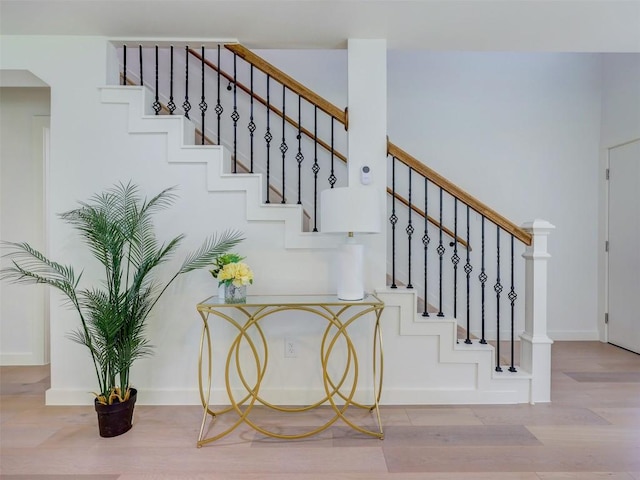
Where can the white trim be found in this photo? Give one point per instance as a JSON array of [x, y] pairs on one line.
[[603, 293], [31, 358], [601, 320], [45, 210], [607, 191], [40, 137], [148, 42], [574, 335], [623, 144], [514, 391]]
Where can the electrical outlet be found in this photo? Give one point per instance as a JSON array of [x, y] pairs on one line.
[[290, 348]]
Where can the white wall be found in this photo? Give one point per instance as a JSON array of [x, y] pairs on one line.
[[23, 112], [324, 71], [620, 123], [620, 99]]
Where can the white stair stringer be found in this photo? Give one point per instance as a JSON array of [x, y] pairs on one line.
[[181, 149], [457, 373]]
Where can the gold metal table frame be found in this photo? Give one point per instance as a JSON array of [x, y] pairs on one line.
[[339, 315]]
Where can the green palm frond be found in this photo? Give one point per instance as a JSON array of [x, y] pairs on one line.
[[29, 266], [161, 201], [33, 267], [212, 247]]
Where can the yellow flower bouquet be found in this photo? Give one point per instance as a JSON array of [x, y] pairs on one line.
[[235, 277], [238, 274]]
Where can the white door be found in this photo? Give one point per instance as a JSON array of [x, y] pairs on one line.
[[624, 246]]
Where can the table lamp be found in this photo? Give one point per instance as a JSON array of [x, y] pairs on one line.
[[350, 210]]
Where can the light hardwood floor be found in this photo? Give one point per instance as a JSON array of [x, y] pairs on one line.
[[591, 430]]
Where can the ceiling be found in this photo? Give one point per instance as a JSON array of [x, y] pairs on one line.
[[444, 25]]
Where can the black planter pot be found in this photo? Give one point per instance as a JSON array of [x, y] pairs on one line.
[[115, 419]]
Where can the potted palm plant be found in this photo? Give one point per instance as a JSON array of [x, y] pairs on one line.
[[117, 227]]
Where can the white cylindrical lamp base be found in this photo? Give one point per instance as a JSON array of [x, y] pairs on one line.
[[350, 271]]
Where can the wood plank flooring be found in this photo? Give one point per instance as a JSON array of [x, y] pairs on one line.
[[590, 431]]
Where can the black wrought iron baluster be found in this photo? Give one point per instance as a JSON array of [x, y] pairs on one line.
[[235, 116], [498, 289], [425, 243], [268, 137], [171, 106], [332, 177], [483, 280], [467, 270], [512, 298], [218, 108], [440, 251], [315, 168], [252, 125], [186, 106], [124, 66], [393, 219], [409, 231], [140, 58], [156, 103], [203, 103], [455, 259], [283, 146], [299, 155]]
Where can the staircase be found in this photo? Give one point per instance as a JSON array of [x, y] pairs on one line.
[[425, 363], [181, 149]]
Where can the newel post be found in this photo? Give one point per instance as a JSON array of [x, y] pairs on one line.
[[535, 345]]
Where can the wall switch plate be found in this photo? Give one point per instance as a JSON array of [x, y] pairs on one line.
[[290, 348]]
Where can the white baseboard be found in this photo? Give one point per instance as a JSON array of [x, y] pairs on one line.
[[574, 335], [422, 396], [7, 359]]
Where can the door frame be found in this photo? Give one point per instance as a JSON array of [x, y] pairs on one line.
[[606, 233]]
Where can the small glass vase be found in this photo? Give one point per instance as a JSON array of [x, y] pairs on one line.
[[234, 294]]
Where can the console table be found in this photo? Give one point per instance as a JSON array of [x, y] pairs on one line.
[[247, 318]]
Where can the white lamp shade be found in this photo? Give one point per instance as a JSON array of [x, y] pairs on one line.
[[350, 209]]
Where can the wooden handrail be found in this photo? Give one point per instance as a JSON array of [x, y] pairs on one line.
[[430, 219], [261, 100], [292, 84], [458, 193]]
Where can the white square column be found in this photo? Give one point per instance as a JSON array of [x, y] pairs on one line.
[[367, 133], [535, 348]]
